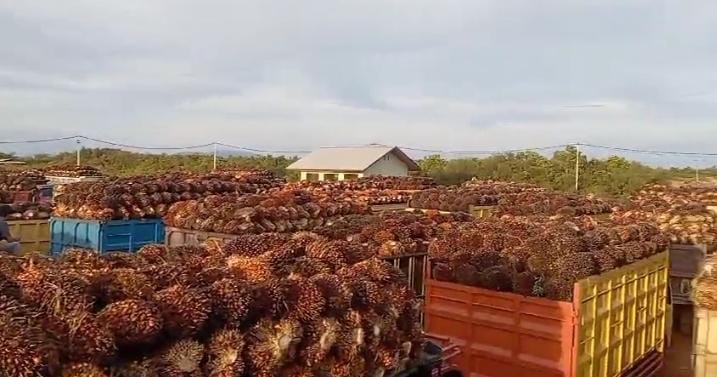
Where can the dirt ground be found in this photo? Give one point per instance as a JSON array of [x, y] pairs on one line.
[[678, 357]]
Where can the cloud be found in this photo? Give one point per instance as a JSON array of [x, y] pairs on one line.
[[295, 75]]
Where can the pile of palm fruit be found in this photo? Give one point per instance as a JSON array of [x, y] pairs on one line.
[[682, 212], [28, 211], [151, 197], [706, 286], [26, 180], [551, 203], [539, 256], [281, 211], [392, 233], [73, 171], [514, 199], [372, 190], [267, 305]]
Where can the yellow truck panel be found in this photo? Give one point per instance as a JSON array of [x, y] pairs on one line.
[[705, 343], [622, 316], [34, 235]]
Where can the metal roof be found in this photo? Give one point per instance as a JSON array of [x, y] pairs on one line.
[[349, 158]]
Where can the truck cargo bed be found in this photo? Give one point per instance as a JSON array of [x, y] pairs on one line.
[[613, 322]]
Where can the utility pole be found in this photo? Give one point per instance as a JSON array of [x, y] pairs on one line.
[[215, 157], [79, 149], [577, 167]]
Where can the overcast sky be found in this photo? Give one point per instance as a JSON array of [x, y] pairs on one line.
[[451, 74]]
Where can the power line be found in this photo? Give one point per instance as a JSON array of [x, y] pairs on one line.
[[259, 151], [147, 148], [648, 151], [409, 148], [39, 140]]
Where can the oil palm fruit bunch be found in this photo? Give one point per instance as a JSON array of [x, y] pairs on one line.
[[147, 197], [538, 255], [275, 305]]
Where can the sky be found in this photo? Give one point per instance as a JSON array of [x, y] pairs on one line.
[[447, 75]]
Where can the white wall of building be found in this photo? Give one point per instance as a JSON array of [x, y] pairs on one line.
[[388, 165], [322, 175]]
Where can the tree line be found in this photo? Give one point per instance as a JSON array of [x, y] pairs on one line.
[[613, 176]]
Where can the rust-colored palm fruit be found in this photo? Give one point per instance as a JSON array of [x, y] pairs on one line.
[[253, 269], [122, 284], [329, 252], [304, 299], [387, 358], [524, 283], [336, 293], [344, 367], [84, 337], [355, 252], [484, 259], [251, 245], [443, 272], [605, 260], [370, 322], [440, 249], [575, 266], [270, 345], [494, 241], [307, 267], [224, 352], [231, 301], [121, 259], [470, 241], [132, 322], [467, 274], [9, 287], [42, 286], [366, 294], [319, 337], [142, 368], [83, 370], [82, 258], [22, 348], [557, 289], [166, 275], [391, 248], [154, 253], [267, 300], [296, 370], [184, 310], [351, 337], [497, 278], [181, 359], [594, 241], [283, 256], [305, 238], [384, 236]]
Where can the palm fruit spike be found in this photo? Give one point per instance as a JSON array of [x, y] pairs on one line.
[[184, 310], [337, 294], [132, 321], [319, 338], [182, 358], [21, 349], [305, 300], [83, 370], [225, 354], [231, 300], [271, 345]]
